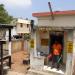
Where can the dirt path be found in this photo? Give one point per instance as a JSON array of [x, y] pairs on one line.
[[17, 62]]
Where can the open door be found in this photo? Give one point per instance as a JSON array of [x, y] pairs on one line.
[[56, 36]]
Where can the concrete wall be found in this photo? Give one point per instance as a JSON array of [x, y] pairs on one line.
[[73, 59], [40, 47], [58, 21], [2, 33], [45, 49], [65, 47], [23, 29], [17, 45], [70, 38], [36, 62]]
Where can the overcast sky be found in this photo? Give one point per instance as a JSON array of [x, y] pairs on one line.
[[25, 8]]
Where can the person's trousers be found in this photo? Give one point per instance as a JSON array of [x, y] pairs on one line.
[[56, 61]]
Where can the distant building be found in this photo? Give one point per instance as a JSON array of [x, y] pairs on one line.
[[23, 30], [23, 26], [20, 34]]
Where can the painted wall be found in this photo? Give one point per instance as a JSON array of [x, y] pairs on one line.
[[24, 28], [2, 33], [58, 21], [41, 48], [69, 53], [17, 45], [45, 49], [65, 47], [13, 32], [73, 59]]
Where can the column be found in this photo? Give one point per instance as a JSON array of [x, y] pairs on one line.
[[1, 47], [35, 44], [9, 47], [73, 59], [33, 51], [69, 52]]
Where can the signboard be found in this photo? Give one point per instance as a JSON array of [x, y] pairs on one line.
[[69, 46], [44, 42], [32, 43]]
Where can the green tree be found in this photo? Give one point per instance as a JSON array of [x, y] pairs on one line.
[[5, 18], [26, 36]]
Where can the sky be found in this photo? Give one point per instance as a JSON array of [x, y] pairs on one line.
[[25, 8]]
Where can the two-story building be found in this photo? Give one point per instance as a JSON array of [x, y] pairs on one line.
[[23, 26], [23, 29]]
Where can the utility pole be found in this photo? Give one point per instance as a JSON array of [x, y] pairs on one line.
[[50, 8]]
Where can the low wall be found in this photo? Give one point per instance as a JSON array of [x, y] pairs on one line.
[[17, 45], [37, 62]]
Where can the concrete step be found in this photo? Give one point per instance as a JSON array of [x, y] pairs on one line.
[[37, 72], [53, 70]]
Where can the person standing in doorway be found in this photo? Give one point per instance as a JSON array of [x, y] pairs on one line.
[[56, 54]]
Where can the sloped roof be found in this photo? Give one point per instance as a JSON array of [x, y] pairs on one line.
[[41, 14], [6, 26]]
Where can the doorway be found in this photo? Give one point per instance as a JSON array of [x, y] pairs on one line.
[[56, 36]]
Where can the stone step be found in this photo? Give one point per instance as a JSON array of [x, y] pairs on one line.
[[37, 72], [53, 70]]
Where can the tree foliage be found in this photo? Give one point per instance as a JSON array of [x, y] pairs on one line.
[[27, 36], [5, 18]]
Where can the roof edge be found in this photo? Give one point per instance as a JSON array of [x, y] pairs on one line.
[[41, 14]]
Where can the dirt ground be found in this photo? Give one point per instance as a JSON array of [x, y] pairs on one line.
[[17, 62]]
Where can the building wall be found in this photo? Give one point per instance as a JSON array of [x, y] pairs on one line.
[[23, 26], [69, 62], [45, 49], [65, 47], [17, 45], [22, 29], [2, 33], [40, 47], [58, 21]]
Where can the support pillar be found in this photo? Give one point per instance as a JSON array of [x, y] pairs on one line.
[[1, 46], [9, 47], [35, 44], [33, 51], [69, 52], [73, 59]]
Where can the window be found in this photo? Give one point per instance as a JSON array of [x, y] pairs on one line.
[[27, 25], [21, 25]]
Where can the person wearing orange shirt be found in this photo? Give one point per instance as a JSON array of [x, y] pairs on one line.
[[56, 54]]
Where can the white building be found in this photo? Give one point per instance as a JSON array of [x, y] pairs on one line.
[[23, 26], [62, 27]]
